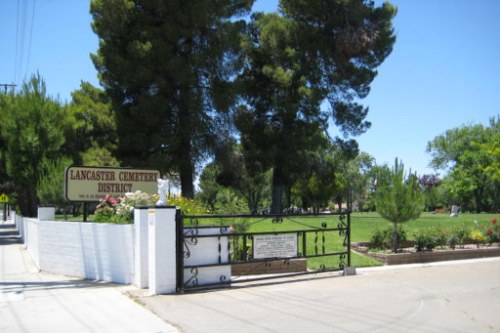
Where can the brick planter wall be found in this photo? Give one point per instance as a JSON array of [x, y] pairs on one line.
[[270, 267], [426, 257]]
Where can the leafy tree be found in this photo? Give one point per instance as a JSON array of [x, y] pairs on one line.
[[378, 174], [246, 176], [399, 199], [91, 137], [318, 182], [356, 175], [6, 185], [50, 188], [232, 170], [229, 202], [168, 66], [310, 52], [431, 186], [209, 186], [32, 128], [465, 152]]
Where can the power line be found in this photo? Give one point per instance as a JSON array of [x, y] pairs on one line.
[[22, 8], [31, 36], [7, 85]]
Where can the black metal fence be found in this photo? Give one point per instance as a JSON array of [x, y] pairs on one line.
[[259, 247]]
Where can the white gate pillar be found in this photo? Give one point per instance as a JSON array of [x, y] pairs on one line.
[[162, 250], [141, 247]]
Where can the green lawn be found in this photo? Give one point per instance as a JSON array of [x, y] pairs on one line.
[[362, 227], [364, 224]]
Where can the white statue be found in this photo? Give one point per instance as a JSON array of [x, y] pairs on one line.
[[454, 211], [162, 191]]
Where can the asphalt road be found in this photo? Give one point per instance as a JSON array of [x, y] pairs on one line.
[[461, 296], [449, 297]]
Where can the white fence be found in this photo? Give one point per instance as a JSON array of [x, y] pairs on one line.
[[143, 253], [89, 250]]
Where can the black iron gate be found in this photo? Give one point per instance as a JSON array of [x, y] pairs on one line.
[[218, 250]]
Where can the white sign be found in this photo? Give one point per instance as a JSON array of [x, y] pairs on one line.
[[275, 246], [94, 183]]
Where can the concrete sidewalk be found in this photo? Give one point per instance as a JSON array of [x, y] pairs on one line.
[[38, 302]]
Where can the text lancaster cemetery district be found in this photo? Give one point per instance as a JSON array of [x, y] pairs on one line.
[[93, 183]]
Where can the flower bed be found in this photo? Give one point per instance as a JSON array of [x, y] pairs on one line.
[[433, 244], [120, 210], [410, 256]]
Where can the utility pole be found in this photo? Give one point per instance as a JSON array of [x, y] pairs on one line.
[[6, 85]]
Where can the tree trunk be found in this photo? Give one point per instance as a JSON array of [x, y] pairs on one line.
[[186, 175], [494, 204], [27, 201], [184, 150], [278, 188], [395, 238]]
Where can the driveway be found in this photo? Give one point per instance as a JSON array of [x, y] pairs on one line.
[[448, 297]]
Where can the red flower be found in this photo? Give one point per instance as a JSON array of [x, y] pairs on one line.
[[494, 220], [489, 231]]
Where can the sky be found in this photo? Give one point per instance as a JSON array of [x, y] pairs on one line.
[[443, 73]]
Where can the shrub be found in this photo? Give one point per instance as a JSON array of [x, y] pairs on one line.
[[382, 239], [188, 206], [493, 232], [453, 241], [426, 239], [478, 237], [462, 233], [378, 239], [105, 211], [441, 238], [121, 210]]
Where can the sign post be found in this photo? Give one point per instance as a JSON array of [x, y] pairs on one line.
[[5, 200]]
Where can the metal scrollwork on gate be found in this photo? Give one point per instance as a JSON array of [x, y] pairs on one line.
[[323, 240], [342, 261], [190, 237], [316, 242], [193, 279], [342, 226]]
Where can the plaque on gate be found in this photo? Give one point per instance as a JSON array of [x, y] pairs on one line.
[[275, 246]]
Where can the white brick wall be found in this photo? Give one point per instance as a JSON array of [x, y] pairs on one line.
[[89, 250], [31, 239]]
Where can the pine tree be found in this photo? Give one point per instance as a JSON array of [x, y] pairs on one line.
[[399, 199], [168, 66]]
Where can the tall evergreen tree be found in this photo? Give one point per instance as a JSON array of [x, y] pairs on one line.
[[167, 66], [33, 130], [310, 52]]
